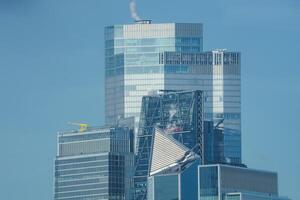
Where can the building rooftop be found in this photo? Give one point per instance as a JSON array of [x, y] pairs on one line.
[[87, 130]]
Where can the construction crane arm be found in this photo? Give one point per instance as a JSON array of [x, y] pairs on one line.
[[82, 127]]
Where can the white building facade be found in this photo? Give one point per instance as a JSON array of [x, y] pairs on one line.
[[132, 62]]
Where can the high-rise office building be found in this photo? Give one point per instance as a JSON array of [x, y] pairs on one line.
[[178, 113], [96, 163], [184, 106], [224, 182], [217, 74], [143, 57], [132, 67]]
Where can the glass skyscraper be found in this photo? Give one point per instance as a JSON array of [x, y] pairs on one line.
[[174, 124], [94, 164], [217, 74], [132, 62], [178, 113], [143, 57]]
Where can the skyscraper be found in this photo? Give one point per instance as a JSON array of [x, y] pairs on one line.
[[132, 62], [180, 114], [217, 74], [143, 57], [96, 163]]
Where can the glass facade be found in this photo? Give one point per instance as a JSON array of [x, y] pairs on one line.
[[180, 115], [163, 187], [217, 74], [208, 183], [174, 186], [214, 143], [94, 164], [90, 177], [225, 182], [141, 58], [189, 181], [233, 196], [132, 65], [252, 196]]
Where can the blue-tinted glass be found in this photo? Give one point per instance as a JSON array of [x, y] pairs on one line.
[[189, 182], [176, 113], [166, 187], [208, 183]]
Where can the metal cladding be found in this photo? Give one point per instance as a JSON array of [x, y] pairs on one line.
[[167, 153]]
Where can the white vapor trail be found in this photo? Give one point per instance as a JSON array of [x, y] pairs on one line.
[[133, 10]]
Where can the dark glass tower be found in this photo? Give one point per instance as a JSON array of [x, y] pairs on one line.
[[179, 114]]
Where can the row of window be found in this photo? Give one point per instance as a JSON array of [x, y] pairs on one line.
[[82, 171], [169, 69], [228, 116], [81, 193], [81, 182], [81, 187], [192, 41], [82, 176], [79, 160], [198, 58], [83, 137], [90, 197], [81, 165]]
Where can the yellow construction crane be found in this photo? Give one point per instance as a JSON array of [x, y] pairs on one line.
[[82, 127]]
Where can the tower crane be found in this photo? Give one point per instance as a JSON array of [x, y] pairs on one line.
[[82, 127]]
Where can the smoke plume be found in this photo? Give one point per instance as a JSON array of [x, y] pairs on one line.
[[133, 10]]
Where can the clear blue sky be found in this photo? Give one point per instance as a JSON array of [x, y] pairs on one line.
[[52, 72]]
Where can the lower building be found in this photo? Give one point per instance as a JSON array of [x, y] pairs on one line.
[[252, 196], [94, 164], [176, 173], [224, 182], [181, 185]]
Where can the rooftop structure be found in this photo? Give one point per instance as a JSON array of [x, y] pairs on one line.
[[252, 196], [220, 181]]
